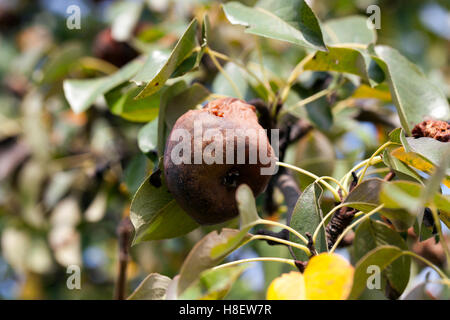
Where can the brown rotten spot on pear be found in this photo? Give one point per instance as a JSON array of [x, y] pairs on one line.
[[207, 191], [435, 129]]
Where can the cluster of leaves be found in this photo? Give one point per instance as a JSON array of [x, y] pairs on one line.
[[342, 47], [330, 73]]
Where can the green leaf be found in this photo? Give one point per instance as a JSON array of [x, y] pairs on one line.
[[380, 92], [153, 287], [156, 215], [414, 197], [247, 207], [206, 27], [184, 101], [175, 101], [163, 129], [126, 15], [122, 103], [341, 59], [202, 258], [213, 284], [306, 217], [366, 197], [415, 97], [400, 194], [348, 30], [194, 60], [399, 166], [222, 86], [406, 194], [160, 66], [135, 172], [148, 137], [289, 20], [61, 62], [248, 216], [397, 136], [346, 39], [319, 113], [81, 94], [206, 30], [430, 149], [372, 234], [382, 257]]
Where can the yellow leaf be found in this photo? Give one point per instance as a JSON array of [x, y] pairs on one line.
[[416, 161], [364, 92], [328, 277], [289, 286], [412, 159]]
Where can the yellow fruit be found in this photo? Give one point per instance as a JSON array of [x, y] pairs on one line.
[[289, 286], [328, 277]]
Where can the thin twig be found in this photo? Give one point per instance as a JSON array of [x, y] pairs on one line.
[[124, 231], [341, 219]]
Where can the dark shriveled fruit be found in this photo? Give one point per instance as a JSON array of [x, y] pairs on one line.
[[113, 51], [207, 191]]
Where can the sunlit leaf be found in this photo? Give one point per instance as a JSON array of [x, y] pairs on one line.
[[430, 149], [425, 154], [290, 20], [380, 92], [399, 166], [397, 135], [366, 197], [246, 205], [153, 287], [415, 97], [122, 103], [349, 30], [125, 17], [341, 59], [412, 159], [81, 94], [160, 65], [399, 194]]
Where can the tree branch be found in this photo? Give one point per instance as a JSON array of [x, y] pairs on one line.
[[124, 231], [343, 217]]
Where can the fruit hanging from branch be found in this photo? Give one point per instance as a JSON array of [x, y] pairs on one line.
[[204, 174]]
